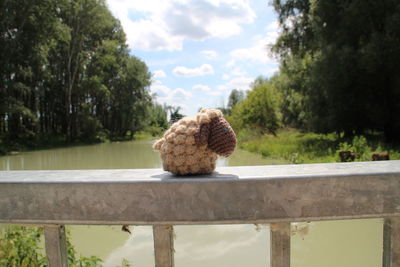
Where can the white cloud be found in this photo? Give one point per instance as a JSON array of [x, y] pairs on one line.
[[258, 52], [215, 93], [173, 97], [166, 94], [161, 90], [225, 77], [270, 71], [210, 54], [237, 71], [204, 69], [241, 83], [202, 87], [164, 25], [180, 94], [155, 82], [159, 74], [147, 35], [207, 90], [273, 26]]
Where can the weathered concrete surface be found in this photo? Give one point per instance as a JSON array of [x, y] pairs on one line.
[[233, 195]]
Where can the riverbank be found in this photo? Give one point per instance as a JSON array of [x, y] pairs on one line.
[[50, 142], [299, 147]]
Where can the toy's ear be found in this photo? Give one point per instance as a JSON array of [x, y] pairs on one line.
[[218, 135], [222, 138]]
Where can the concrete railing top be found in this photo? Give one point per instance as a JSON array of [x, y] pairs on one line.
[[251, 194], [222, 174]]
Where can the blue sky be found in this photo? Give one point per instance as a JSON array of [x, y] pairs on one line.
[[199, 50]]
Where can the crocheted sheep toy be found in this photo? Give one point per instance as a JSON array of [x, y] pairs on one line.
[[192, 145]]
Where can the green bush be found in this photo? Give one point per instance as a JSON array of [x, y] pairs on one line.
[[259, 111], [297, 147], [293, 146], [360, 146], [20, 247]]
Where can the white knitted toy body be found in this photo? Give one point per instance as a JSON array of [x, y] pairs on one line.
[[185, 146]]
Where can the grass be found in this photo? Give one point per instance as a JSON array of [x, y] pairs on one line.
[[144, 136], [300, 147]]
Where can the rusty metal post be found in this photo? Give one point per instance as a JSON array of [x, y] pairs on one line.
[[280, 244], [391, 242], [163, 245], [56, 245]]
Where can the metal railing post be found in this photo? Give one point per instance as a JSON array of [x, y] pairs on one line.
[[391, 242], [163, 245], [280, 244], [56, 245]]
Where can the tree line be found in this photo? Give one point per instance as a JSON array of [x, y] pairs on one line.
[[67, 72], [339, 70]]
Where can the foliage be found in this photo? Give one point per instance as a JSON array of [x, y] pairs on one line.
[[339, 61], [66, 72], [291, 82], [294, 146], [358, 145], [234, 98], [259, 110], [299, 147], [157, 121], [175, 114], [20, 247]]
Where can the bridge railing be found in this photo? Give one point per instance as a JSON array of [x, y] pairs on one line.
[[277, 195]]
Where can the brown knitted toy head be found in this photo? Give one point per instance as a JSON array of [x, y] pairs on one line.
[[191, 145]]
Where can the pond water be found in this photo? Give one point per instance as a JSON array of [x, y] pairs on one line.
[[349, 243]]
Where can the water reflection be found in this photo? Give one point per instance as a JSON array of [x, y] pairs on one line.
[[346, 243], [222, 245], [116, 155]]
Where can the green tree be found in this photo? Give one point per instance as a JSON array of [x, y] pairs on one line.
[[130, 98], [259, 110], [157, 118], [175, 114], [235, 97], [352, 52], [292, 83], [90, 24], [67, 73], [26, 33]]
